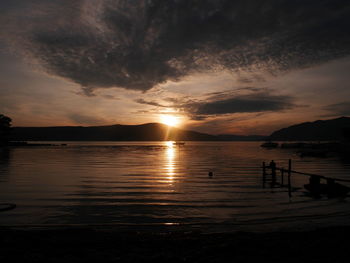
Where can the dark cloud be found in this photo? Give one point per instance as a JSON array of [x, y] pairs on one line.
[[253, 103], [257, 100], [151, 103], [339, 109], [239, 91], [139, 44]]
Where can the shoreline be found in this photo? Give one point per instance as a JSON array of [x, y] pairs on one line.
[[327, 244]]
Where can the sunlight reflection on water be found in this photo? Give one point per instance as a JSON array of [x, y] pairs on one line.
[[170, 164]]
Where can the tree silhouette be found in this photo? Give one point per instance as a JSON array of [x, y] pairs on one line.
[[5, 127]]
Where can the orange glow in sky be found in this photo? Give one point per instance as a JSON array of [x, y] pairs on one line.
[[170, 120]]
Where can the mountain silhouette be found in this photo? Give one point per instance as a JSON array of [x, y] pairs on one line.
[[321, 130], [233, 137], [143, 132]]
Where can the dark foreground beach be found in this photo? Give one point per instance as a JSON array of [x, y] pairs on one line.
[[110, 245]]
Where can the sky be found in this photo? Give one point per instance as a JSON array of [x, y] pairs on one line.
[[217, 66]]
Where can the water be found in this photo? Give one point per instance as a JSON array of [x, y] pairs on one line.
[[141, 183]]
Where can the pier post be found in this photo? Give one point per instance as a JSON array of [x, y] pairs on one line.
[[264, 173], [289, 179], [273, 173]]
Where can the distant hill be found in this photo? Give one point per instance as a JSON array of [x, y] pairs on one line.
[[321, 130], [231, 137], [144, 132]]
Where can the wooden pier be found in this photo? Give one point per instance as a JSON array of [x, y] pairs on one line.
[[331, 188]]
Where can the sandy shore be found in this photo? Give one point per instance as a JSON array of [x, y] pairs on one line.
[[82, 245]]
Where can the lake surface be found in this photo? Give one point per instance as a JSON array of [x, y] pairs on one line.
[[139, 183]]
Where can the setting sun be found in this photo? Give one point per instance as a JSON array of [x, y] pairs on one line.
[[169, 120]]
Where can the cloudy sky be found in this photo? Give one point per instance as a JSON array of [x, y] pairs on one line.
[[219, 66]]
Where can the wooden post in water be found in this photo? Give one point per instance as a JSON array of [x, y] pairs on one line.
[[289, 179], [273, 173], [264, 173]]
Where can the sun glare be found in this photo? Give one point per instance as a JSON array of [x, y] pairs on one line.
[[169, 120]]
